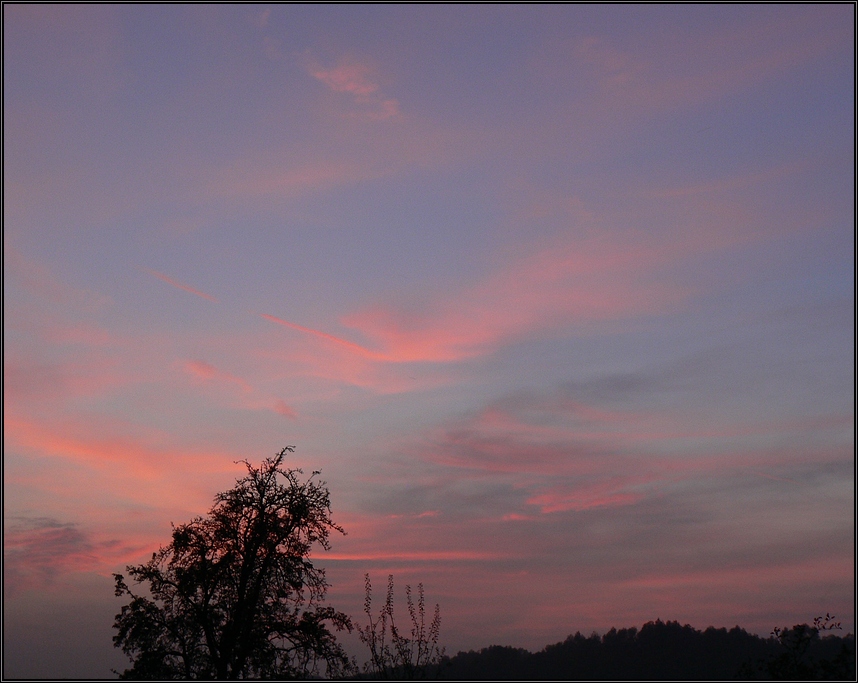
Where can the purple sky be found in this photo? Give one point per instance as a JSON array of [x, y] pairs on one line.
[[559, 299]]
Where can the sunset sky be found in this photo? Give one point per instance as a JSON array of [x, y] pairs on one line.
[[559, 299]]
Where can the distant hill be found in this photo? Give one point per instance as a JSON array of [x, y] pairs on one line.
[[660, 651]]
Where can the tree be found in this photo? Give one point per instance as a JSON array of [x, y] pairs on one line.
[[400, 657], [235, 595], [794, 659]]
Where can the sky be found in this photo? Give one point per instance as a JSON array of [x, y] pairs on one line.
[[559, 299]]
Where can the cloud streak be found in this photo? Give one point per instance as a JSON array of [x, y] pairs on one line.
[[38, 279], [562, 454], [351, 347], [248, 397], [206, 371], [355, 78], [180, 285], [36, 551], [244, 180], [572, 284]]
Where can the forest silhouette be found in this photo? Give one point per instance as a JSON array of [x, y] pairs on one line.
[[665, 651], [236, 595]]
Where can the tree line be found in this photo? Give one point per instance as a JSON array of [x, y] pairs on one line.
[[667, 651]]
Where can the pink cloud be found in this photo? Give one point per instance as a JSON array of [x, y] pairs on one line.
[[245, 180], [355, 78], [415, 557], [347, 76], [333, 364], [136, 456], [541, 436], [180, 285], [205, 372], [794, 572], [38, 384], [516, 517], [132, 484], [342, 343], [648, 78], [720, 595], [260, 19], [573, 283], [561, 455], [729, 184], [39, 279], [554, 419], [282, 408], [86, 335], [614, 66], [357, 156], [36, 551], [317, 354], [414, 544], [611, 493], [201, 369]]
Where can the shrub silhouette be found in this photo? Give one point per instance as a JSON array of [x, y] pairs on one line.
[[394, 655], [803, 655], [235, 595]]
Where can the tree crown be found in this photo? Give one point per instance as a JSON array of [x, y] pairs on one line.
[[235, 594]]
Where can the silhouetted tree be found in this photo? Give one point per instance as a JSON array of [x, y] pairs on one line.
[[803, 655], [235, 595], [392, 653]]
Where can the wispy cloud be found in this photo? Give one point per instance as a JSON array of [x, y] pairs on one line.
[[342, 343], [571, 285], [37, 550], [564, 454], [729, 184], [764, 48], [247, 396], [416, 557], [206, 371], [356, 79], [252, 180], [611, 493], [180, 285], [284, 409], [108, 445], [337, 361], [36, 383], [260, 19], [347, 76], [577, 283], [38, 279]]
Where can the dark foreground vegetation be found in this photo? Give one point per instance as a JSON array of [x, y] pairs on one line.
[[236, 595], [667, 651]]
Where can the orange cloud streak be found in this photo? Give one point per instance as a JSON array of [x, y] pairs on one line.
[[350, 346], [246, 180], [180, 285], [418, 556], [604, 494], [350, 77], [570, 283], [785, 572], [206, 371], [282, 408], [106, 452]]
